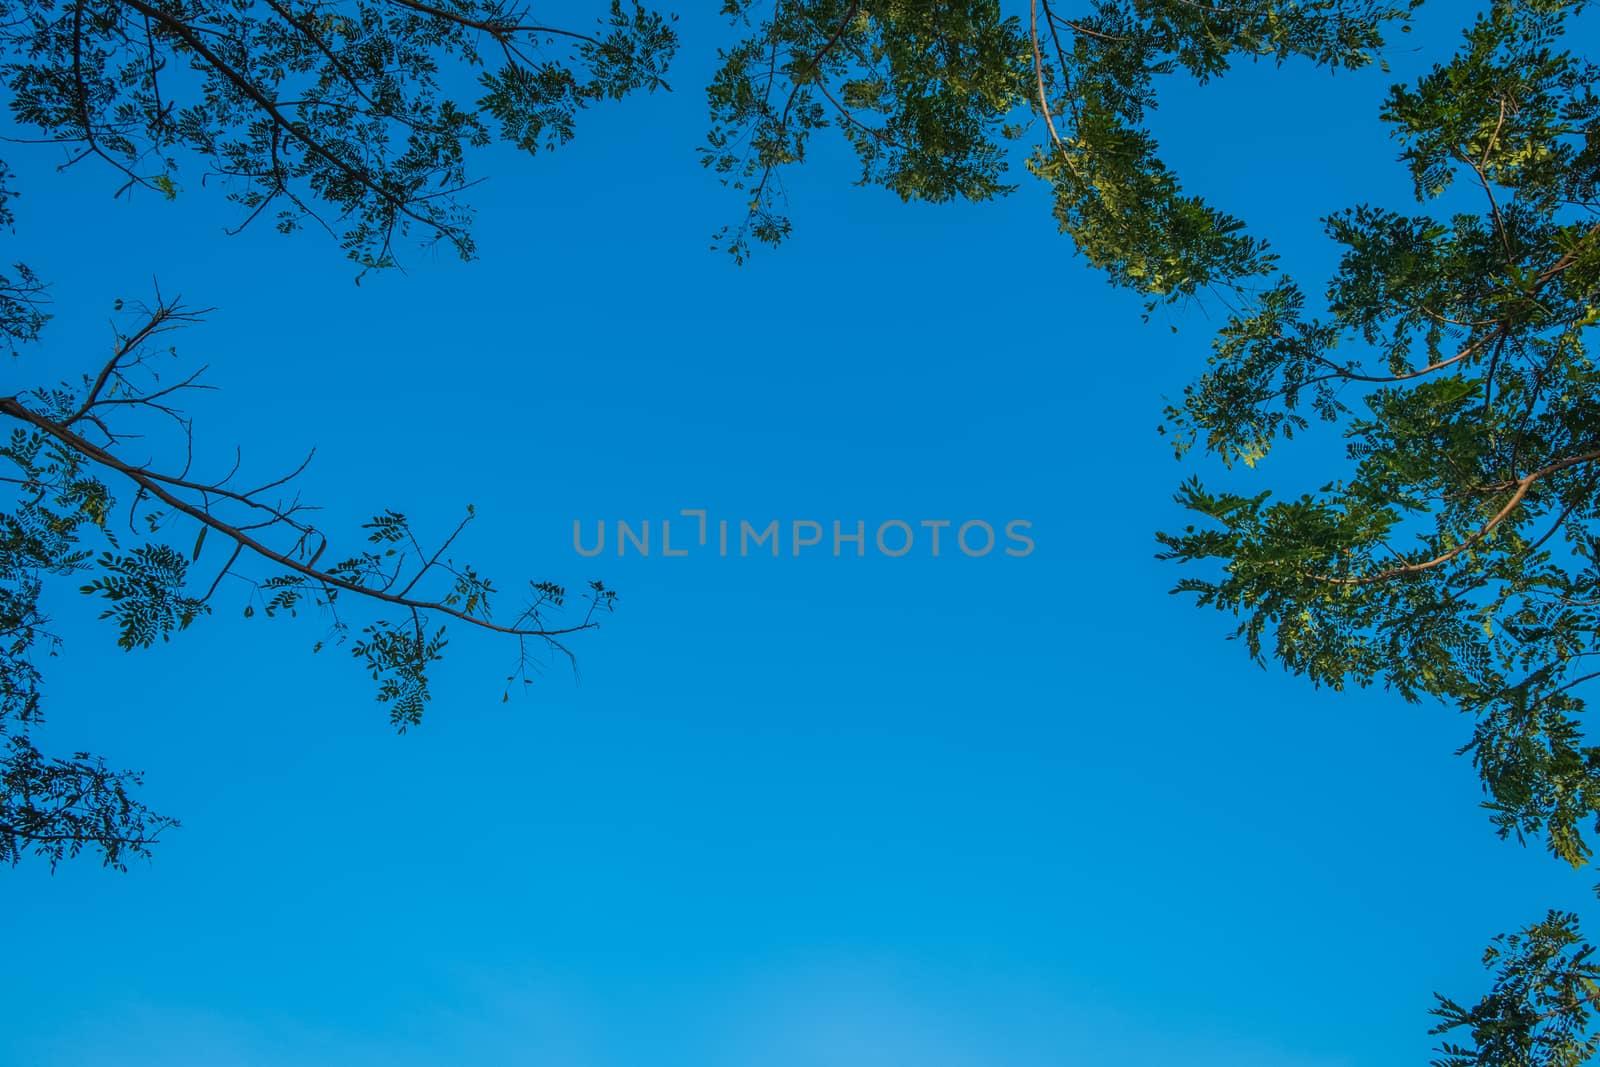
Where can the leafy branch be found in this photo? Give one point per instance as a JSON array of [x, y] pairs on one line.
[[66, 451]]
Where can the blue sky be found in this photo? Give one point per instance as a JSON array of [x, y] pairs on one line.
[[807, 812]]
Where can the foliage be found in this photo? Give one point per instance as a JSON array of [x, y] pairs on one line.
[[927, 94], [64, 459], [21, 293], [358, 116], [347, 114], [1539, 1010], [1457, 557], [1457, 554]]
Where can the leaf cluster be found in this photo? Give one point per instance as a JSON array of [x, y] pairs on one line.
[[388, 604], [1456, 554], [353, 114], [928, 94]]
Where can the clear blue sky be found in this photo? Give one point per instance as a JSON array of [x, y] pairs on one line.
[[794, 813]]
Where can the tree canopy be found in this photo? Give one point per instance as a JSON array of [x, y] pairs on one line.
[[928, 94], [342, 114], [337, 115], [1454, 556], [360, 118]]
